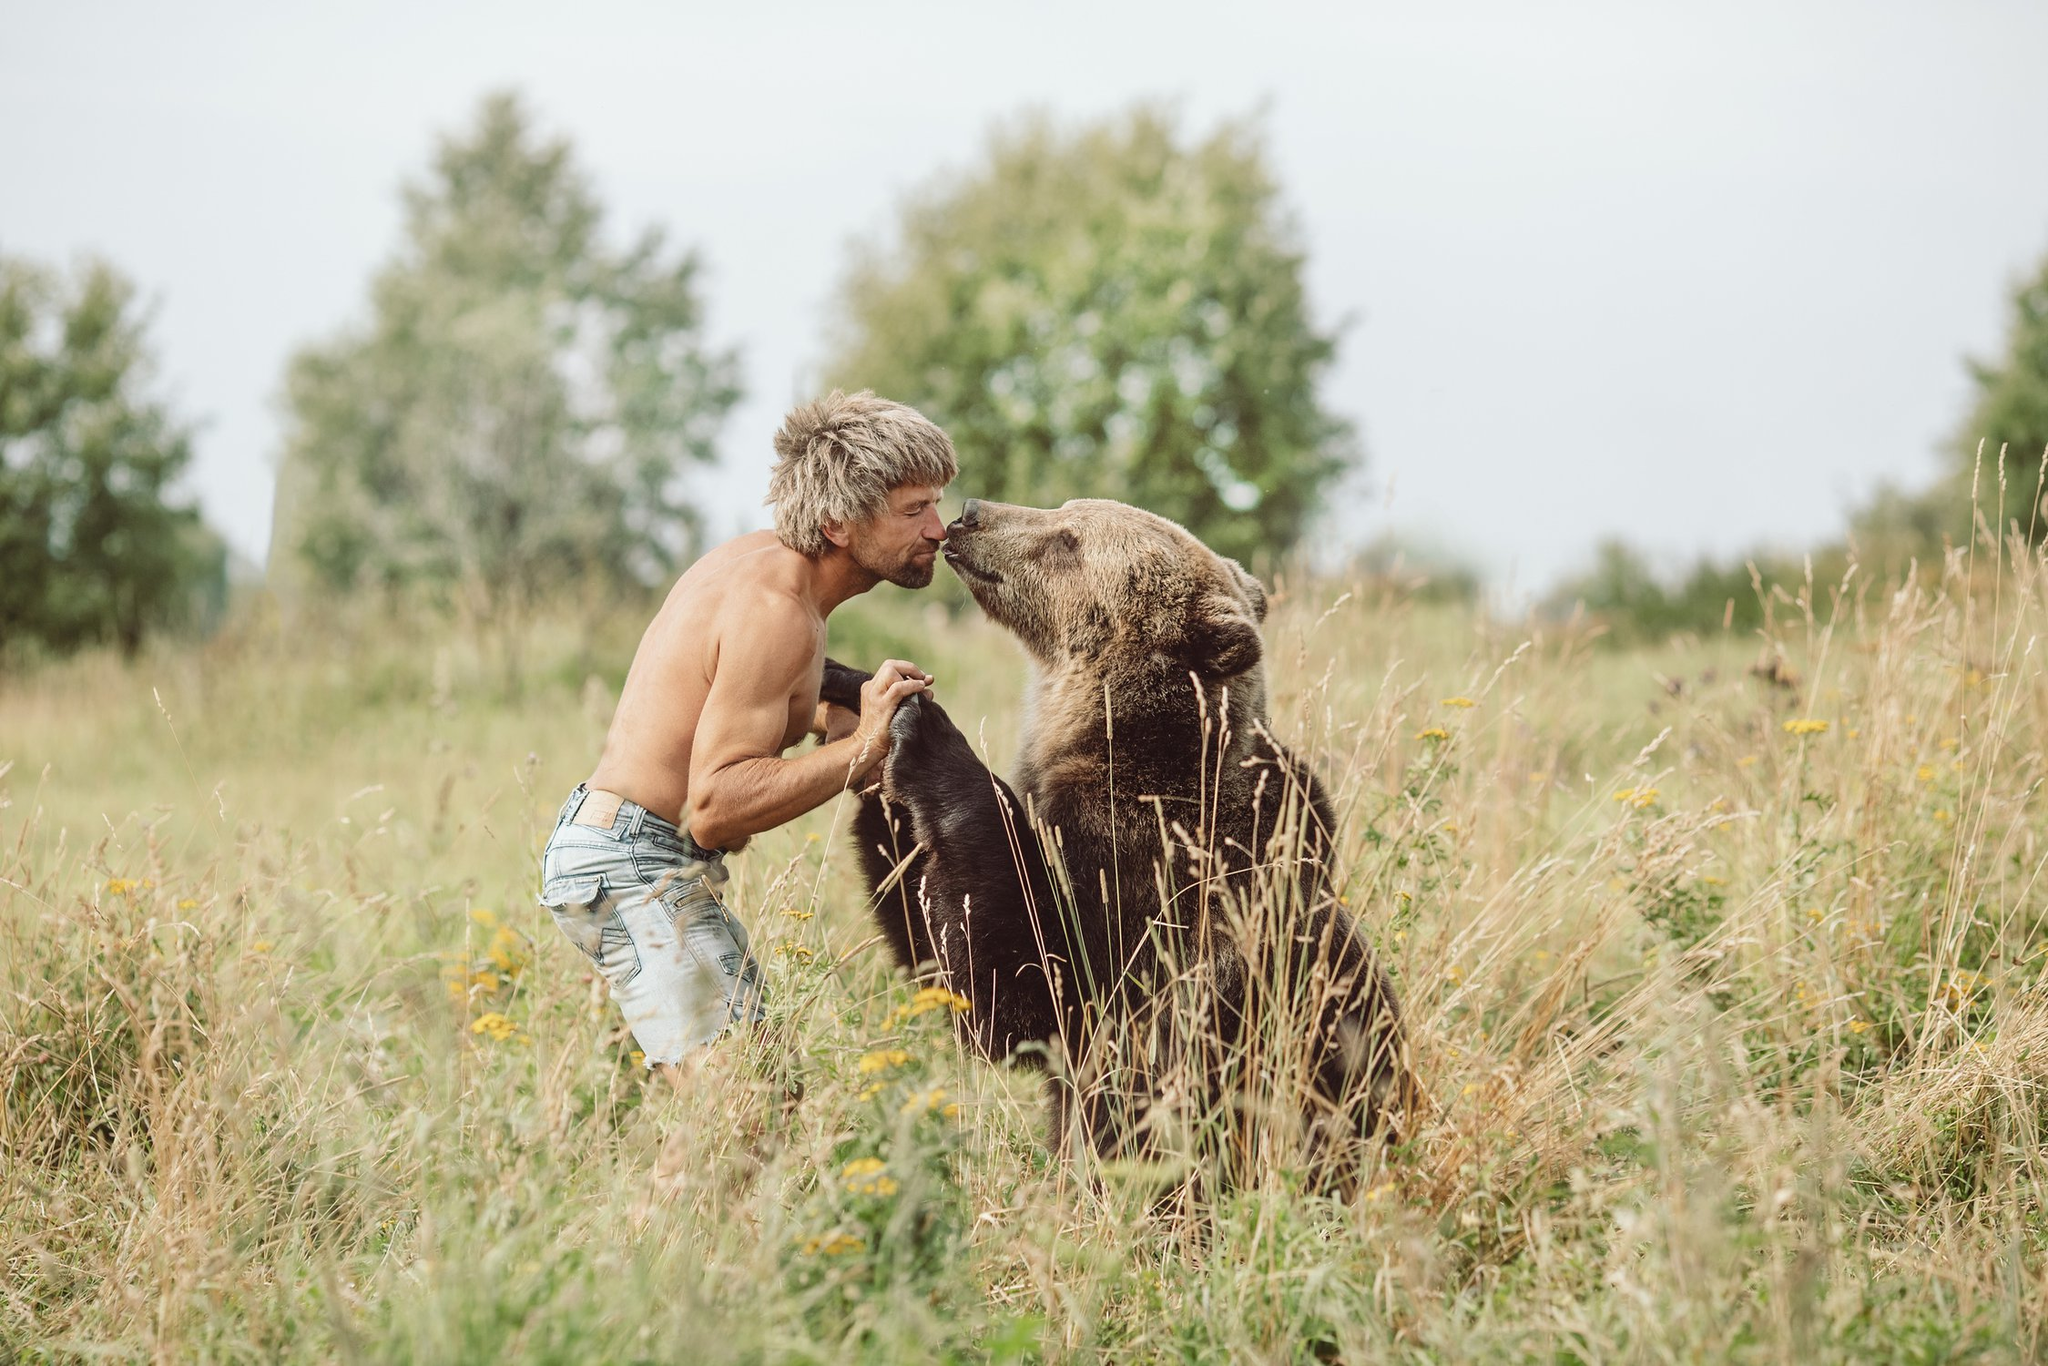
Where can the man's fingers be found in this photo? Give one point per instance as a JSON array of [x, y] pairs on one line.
[[905, 669]]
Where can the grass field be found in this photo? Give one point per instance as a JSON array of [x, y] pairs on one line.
[[1725, 985]]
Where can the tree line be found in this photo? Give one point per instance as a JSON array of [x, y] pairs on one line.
[[1990, 483], [1115, 310]]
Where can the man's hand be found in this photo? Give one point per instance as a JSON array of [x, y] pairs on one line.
[[879, 698]]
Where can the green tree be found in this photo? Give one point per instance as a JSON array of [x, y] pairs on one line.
[[1110, 313], [2011, 413], [520, 406], [93, 547]]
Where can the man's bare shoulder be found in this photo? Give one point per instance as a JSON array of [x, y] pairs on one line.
[[753, 585]]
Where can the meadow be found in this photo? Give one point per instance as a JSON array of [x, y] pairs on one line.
[[1722, 965]]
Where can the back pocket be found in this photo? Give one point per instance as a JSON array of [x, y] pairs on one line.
[[588, 917]]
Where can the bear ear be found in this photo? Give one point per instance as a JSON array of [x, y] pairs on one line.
[[1253, 589], [1222, 640]]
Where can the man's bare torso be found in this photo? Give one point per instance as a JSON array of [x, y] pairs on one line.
[[752, 583]]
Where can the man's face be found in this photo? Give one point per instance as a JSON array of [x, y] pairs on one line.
[[900, 544]]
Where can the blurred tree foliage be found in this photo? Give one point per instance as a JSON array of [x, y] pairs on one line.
[[1110, 313], [1625, 593], [519, 407], [93, 547], [1992, 470], [2010, 414]]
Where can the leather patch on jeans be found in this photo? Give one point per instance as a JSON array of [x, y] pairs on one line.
[[599, 809]]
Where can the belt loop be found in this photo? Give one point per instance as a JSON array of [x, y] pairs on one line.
[[573, 805], [633, 823]]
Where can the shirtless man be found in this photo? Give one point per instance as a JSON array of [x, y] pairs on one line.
[[726, 678]]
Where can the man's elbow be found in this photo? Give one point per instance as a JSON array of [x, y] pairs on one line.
[[709, 825]]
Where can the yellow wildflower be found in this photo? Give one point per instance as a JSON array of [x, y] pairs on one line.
[[1950, 743], [870, 1091], [1814, 914], [801, 953], [881, 1060], [1943, 816], [188, 904], [1806, 725], [926, 1000], [508, 951], [1459, 702], [1746, 761], [486, 918], [262, 946], [1381, 1191], [863, 1176], [1961, 986], [1859, 1026], [121, 886], [792, 913], [831, 1244], [1925, 773], [638, 1058], [921, 1102], [493, 1024], [1432, 733]]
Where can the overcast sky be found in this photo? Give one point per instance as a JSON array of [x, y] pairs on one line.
[[1698, 275]]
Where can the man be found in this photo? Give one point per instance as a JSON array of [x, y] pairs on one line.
[[726, 678]]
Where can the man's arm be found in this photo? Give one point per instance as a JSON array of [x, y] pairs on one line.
[[739, 783]]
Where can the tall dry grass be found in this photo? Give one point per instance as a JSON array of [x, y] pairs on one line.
[[1723, 984]]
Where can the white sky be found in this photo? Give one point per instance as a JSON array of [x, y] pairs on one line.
[[1700, 275]]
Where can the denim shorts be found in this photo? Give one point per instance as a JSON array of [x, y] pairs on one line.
[[639, 898]]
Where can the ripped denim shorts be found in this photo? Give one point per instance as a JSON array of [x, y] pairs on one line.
[[640, 899]]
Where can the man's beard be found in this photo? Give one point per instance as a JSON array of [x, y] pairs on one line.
[[909, 572]]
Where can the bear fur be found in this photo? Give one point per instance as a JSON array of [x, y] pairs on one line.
[[1153, 897]]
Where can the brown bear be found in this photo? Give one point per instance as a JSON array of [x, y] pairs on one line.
[[1153, 917]]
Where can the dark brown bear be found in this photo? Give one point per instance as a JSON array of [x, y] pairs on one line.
[[1153, 915]]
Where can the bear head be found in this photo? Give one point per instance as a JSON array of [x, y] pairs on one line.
[[1102, 588]]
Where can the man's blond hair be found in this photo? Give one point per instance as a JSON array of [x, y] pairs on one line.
[[838, 457]]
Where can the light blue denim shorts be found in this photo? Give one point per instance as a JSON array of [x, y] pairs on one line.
[[640, 899]]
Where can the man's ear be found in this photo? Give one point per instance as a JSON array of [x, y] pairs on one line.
[[837, 532], [1222, 640]]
